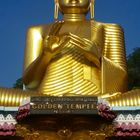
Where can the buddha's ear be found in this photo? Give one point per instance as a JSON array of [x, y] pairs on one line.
[[56, 9], [92, 9]]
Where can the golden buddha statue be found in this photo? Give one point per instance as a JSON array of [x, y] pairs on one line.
[[74, 57]]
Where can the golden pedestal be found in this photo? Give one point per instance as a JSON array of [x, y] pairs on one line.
[[64, 127], [63, 118]]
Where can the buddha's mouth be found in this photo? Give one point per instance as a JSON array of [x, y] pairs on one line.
[[74, 2]]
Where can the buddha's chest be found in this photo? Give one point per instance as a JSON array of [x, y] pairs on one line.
[[81, 29]]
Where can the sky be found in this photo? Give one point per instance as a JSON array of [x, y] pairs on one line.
[[16, 16]]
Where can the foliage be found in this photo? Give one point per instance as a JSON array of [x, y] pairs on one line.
[[133, 63], [18, 84]]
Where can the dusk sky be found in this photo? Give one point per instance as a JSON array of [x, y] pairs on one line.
[[17, 15]]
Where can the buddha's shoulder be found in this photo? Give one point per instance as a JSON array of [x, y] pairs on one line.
[[106, 25], [40, 28]]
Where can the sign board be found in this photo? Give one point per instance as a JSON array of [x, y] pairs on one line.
[[63, 105]]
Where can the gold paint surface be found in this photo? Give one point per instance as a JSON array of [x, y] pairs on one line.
[[130, 98], [74, 56], [13, 97], [73, 66]]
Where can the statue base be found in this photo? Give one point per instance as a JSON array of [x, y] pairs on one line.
[[64, 127], [64, 118]]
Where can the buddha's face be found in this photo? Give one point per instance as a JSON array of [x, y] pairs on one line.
[[74, 6]]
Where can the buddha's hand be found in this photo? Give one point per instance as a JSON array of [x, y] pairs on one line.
[[53, 44], [85, 44], [89, 48]]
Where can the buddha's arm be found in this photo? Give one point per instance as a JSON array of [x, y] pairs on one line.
[[50, 46], [114, 46], [38, 52], [33, 59], [33, 74], [114, 73]]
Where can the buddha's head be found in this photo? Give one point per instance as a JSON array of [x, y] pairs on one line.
[[74, 6]]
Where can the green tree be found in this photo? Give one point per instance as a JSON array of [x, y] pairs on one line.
[[18, 84], [133, 63]]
